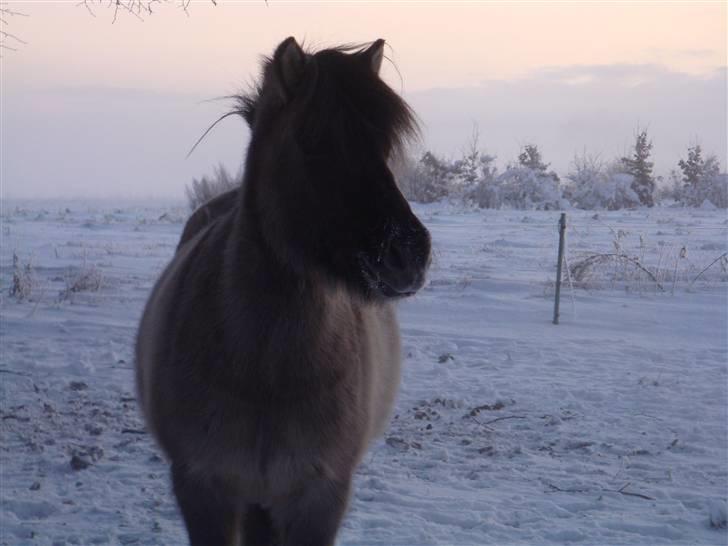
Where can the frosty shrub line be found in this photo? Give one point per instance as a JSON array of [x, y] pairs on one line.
[[528, 183], [203, 189]]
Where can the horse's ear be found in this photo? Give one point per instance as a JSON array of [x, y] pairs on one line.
[[289, 62], [374, 55]]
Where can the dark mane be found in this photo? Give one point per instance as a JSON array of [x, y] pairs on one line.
[[387, 117]]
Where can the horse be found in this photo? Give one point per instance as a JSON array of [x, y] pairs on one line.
[[268, 354]]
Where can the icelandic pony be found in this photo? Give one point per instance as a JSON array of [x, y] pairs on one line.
[[268, 355]]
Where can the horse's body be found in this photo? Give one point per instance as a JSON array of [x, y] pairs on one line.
[[266, 363]]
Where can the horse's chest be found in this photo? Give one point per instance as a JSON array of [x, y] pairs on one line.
[[263, 447], [310, 400]]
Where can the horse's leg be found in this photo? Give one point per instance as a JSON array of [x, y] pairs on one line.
[[312, 517], [257, 527], [208, 513]]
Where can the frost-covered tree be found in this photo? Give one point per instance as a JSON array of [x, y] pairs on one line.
[[470, 163], [436, 176], [696, 167], [428, 180], [484, 191], [701, 180], [700, 177], [640, 167], [474, 173], [530, 157]]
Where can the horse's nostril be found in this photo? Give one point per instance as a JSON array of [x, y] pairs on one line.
[[395, 258]]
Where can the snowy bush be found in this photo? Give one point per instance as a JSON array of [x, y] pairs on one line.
[[591, 270], [204, 189], [404, 168], [430, 179], [433, 178], [482, 191], [24, 281], [671, 192], [475, 178], [593, 186], [709, 191], [84, 279], [87, 278], [625, 183], [521, 187], [525, 185]]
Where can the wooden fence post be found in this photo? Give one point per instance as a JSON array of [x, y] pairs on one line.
[[562, 231]]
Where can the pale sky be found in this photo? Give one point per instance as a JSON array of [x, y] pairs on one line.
[[91, 108]]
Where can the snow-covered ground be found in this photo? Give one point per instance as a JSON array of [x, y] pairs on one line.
[[610, 428]]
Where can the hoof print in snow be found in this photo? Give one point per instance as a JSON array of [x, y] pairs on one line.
[[78, 463], [397, 443], [77, 386], [93, 430], [35, 486], [445, 357], [83, 459], [486, 407], [447, 403]]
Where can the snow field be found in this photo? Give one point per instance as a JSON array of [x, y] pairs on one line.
[[607, 429]]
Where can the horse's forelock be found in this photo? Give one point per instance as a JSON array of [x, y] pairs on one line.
[[390, 117]]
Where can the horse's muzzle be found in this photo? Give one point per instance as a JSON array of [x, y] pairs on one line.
[[399, 271]]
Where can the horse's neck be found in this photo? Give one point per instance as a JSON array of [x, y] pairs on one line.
[[260, 267], [284, 318]]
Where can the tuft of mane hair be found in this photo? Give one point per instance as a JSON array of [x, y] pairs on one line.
[[245, 103]]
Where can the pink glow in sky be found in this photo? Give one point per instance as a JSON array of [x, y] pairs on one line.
[[446, 44], [566, 75]]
